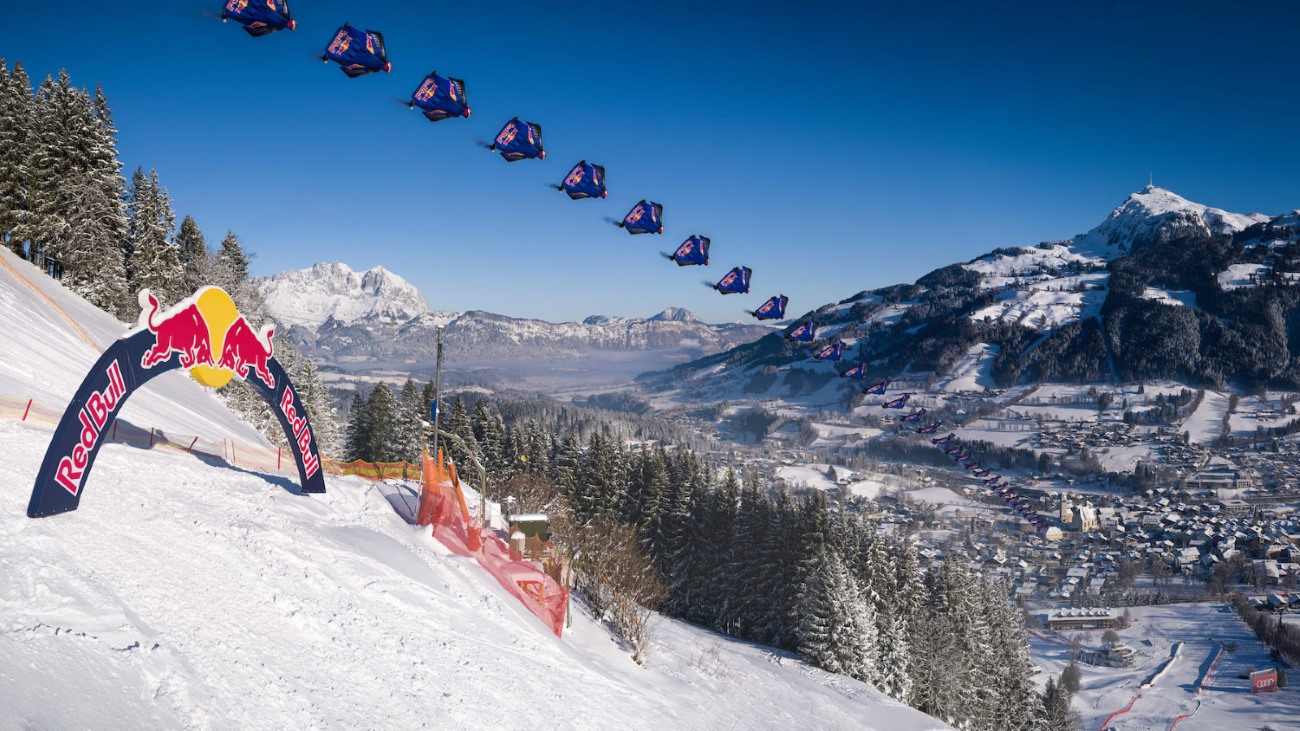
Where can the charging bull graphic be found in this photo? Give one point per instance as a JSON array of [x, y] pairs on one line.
[[205, 335]]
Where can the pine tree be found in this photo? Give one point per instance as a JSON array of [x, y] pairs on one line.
[[895, 675], [17, 122], [316, 400], [385, 433], [358, 431], [231, 263], [407, 425], [153, 261], [836, 626], [194, 255]]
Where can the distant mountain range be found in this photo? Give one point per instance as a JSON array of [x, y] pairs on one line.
[[1162, 288], [337, 315]]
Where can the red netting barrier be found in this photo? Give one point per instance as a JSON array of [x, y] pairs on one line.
[[442, 505]]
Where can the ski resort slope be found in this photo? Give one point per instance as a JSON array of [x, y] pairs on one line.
[[186, 593]]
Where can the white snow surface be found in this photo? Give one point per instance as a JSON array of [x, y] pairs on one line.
[[974, 371], [1149, 210], [1049, 304], [185, 593], [1238, 276], [1173, 297]]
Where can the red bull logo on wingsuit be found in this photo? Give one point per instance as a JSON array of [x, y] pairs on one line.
[[205, 335]]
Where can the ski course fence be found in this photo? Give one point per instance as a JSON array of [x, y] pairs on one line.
[[442, 506], [276, 460]]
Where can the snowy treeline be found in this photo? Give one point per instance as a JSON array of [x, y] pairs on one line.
[[792, 573], [65, 206]]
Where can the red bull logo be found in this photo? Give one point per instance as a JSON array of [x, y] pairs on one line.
[[636, 214], [93, 417], [301, 431], [575, 176], [340, 44], [507, 135], [236, 6], [426, 90], [728, 280], [202, 326]]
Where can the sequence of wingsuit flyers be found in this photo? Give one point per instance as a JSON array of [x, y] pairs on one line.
[[360, 52]]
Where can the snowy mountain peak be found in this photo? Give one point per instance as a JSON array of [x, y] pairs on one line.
[[1154, 214], [333, 290], [675, 314]]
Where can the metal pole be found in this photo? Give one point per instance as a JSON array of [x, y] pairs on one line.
[[437, 397]]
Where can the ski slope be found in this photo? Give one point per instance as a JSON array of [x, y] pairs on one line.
[[1197, 631], [186, 593]]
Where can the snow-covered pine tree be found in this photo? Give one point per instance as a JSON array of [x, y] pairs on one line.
[[153, 261], [385, 433], [894, 677], [55, 158], [568, 464], [17, 122], [316, 399], [836, 626], [407, 425], [231, 260], [357, 441], [194, 255]]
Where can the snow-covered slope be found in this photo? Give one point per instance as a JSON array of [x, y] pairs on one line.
[[186, 593], [1154, 214]]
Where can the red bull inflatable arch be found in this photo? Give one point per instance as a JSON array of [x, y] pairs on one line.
[[205, 335]]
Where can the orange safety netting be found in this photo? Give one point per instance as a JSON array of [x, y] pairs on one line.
[[442, 505]]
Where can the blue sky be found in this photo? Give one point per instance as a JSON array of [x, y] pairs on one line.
[[832, 147]]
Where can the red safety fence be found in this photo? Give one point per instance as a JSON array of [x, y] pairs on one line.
[[247, 456], [442, 505]]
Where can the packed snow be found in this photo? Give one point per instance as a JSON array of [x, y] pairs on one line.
[[1240, 276], [187, 593], [974, 372], [1197, 630], [1173, 297]]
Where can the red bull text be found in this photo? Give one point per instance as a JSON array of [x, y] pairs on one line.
[[93, 416], [301, 432], [340, 43]]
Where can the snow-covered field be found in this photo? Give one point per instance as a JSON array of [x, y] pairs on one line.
[[1225, 703], [973, 372], [186, 593], [1206, 423], [1239, 276], [1174, 297]]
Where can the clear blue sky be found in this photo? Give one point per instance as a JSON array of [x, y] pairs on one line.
[[832, 147]]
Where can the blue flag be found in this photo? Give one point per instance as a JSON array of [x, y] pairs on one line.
[[439, 98], [772, 309], [644, 218], [357, 52], [519, 141], [585, 181], [259, 17], [804, 332], [693, 252], [735, 281]]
